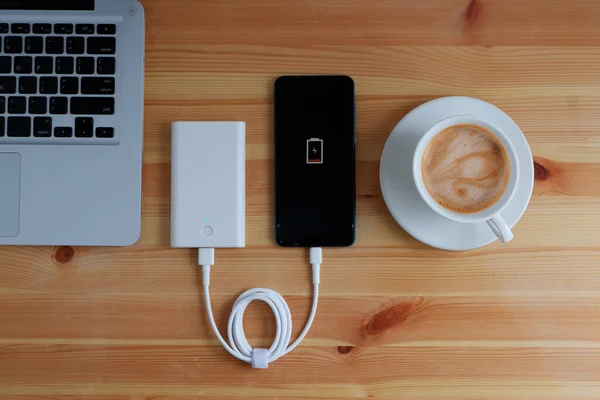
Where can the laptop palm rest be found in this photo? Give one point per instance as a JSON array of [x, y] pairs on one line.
[[10, 187]]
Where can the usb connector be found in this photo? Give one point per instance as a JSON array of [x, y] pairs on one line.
[[316, 258], [206, 256]]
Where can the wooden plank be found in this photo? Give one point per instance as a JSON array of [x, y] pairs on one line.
[[401, 320], [357, 271], [203, 73], [388, 371], [552, 392], [163, 396], [455, 22]]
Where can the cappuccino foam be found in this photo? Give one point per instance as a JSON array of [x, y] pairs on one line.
[[465, 168]]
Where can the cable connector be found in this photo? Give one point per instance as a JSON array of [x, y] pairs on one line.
[[316, 258], [206, 258]]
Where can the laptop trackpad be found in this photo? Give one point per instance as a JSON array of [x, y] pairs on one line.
[[10, 187]]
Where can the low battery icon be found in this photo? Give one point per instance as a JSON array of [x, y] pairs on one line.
[[314, 151]]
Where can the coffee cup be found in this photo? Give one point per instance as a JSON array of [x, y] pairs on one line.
[[455, 183]]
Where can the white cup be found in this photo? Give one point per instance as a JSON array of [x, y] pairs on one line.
[[491, 215]]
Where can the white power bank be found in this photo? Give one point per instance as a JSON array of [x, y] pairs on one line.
[[208, 198]]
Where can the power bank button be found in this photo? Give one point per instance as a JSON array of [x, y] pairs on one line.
[[207, 230]]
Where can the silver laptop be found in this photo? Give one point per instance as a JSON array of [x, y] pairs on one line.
[[71, 121]]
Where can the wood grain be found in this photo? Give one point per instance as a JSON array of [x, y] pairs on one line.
[[397, 319], [455, 22]]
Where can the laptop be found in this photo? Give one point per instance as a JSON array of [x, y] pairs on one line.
[[71, 122]]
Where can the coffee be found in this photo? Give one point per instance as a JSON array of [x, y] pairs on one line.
[[465, 168]]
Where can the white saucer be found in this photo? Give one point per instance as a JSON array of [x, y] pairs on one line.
[[400, 193]]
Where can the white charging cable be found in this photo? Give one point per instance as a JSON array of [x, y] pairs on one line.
[[238, 344]]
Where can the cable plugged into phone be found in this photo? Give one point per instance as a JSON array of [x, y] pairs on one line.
[[238, 345]]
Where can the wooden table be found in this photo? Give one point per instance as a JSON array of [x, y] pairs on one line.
[[397, 320]]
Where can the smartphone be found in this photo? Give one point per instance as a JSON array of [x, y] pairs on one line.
[[315, 188]]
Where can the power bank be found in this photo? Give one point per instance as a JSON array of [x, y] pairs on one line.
[[208, 199]]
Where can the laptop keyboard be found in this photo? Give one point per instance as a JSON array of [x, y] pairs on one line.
[[57, 80]]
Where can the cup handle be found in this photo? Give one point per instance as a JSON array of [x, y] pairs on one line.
[[500, 228]]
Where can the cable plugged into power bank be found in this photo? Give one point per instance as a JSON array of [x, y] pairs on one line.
[[238, 345], [208, 211]]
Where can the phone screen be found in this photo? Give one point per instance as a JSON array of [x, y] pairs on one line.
[[314, 161]]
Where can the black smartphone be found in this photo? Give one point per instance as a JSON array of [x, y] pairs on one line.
[[315, 188]]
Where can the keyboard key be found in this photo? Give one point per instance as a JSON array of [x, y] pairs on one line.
[[69, 85], [106, 66], [105, 132], [48, 85], [92, 105], [43, 65], [85, 65], [65, 65], [55, 45], [34, 45], [75, 45], [8, 84], [42, 127], [63, 29], [63, 131], [2, 126], [28, 85], [18, 127], [101, 45], [38, 105], [3, 28], [2, 105], [20, 28], [13, 44], [107, 29], [59, 105], [42, 28], [17, 105], [5, 65], [23, 65], [85, 29], [98, 86], [84, 127]]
